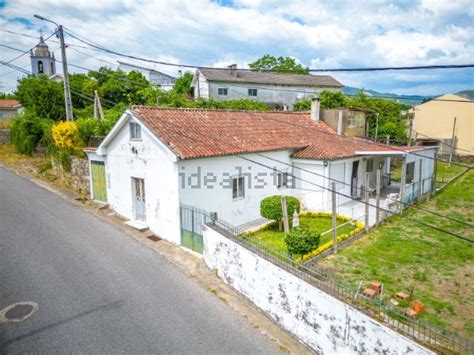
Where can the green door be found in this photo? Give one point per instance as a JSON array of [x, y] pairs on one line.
[[98, 181]]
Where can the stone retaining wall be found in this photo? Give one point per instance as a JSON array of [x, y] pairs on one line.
[[4, 136], [78, 176]]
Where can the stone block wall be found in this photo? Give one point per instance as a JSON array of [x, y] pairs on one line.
[[78, 176], [4, 136]]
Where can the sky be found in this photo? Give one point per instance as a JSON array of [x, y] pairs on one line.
[[318, 34]]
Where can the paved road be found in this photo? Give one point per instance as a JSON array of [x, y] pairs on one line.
[[100, 291]]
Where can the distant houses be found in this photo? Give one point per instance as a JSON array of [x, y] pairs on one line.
[[278, 90], [9, 108], [154, 76], [434, 122]]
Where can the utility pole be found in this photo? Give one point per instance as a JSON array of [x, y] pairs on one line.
[[67, 89], [334, 222], [284, 209], [376, 126], [410, 132], [98, 113], [452, 143]]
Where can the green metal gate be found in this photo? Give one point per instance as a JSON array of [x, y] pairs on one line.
[[99, 187], [192, 220]]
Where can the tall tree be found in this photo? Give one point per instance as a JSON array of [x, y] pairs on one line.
[[280, 64], [183, 85]]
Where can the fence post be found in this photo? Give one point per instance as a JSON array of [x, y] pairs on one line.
[[284, 210], [366, 199], [377, 203], [334, 221], [403, 182]]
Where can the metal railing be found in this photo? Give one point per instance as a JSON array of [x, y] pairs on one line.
[[438, 339]]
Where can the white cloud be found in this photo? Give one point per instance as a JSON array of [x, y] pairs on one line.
[[316, 33]]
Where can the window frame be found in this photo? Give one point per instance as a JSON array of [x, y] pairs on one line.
[[369, 165], [282, 180], [410, 173], [238, 187], [224, 89], [250, 92], [135, 128]]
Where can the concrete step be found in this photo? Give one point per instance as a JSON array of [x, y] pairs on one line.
[[139, 226]]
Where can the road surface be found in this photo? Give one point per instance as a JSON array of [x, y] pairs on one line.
[[98, 290]]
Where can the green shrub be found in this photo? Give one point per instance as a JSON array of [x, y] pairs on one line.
[[300, 241], [270, 207], [28, 131], [88, 127]]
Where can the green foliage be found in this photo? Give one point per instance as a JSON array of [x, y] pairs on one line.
[[300, 241], [88, 128], [280, 64], [328, 100], [270, 207], [7, 95], [241, 104], [28, 131], [182, 86], [84, 84], [41, 96]]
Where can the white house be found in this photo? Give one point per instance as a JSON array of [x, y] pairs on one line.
[[278, 90], [155, 160], [154, 76]]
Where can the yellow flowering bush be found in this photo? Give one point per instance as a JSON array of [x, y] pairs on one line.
[[66, 135]]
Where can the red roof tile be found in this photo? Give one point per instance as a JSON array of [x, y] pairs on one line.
[[8, 103], [197, 133]]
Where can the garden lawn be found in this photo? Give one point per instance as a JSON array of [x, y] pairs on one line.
[[275, 239], [406, 256]]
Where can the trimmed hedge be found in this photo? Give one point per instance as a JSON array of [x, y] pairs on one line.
[[270, 207], [301, 240]]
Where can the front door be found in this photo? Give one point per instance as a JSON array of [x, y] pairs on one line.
[[99, 189], [355, 168], [138, 186]]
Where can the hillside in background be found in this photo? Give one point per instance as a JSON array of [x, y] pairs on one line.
[[468, 94]]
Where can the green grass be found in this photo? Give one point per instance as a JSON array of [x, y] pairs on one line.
[[406, 256], [275, 239], [444, 172]]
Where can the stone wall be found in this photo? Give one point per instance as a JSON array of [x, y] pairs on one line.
[[78, 176], [4, 136], [319, 320]]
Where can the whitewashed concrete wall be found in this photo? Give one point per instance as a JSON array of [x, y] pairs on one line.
[[216, 194], [157, 166], [324, 323], [285, 95]]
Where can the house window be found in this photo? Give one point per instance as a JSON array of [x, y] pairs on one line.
[[282, 180], [355, 120], [370, 165], [238, 187], [222, 91], [253, 92], [135, 132], [410, 173]]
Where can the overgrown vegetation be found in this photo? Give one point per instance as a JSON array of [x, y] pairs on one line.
[[406, 256], [392, 116], [278, 64], [301, 240]]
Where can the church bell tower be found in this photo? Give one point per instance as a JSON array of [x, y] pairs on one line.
[[42, 62]]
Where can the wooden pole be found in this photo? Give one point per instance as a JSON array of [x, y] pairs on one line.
[[366, 199], [284, 209], [420, 179], [410, 131], [377, 203], [334, 221], [403, 182], [453, 136]]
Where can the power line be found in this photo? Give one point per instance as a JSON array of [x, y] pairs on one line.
[[97, 46], [28, 50]]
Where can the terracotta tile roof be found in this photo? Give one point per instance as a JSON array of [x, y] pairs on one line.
[[195, 133], [8, 103], [255, 77]]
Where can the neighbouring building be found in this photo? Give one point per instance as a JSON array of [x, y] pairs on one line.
[[280, 91], [9, 108], [156, 160], [433, 123], [154, 76], [350, 122], [42, 60]]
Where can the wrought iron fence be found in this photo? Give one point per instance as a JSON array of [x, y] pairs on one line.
[[438, 339]]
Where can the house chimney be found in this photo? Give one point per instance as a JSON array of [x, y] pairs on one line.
[[339, 122], [233, 69], [315, 108]]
